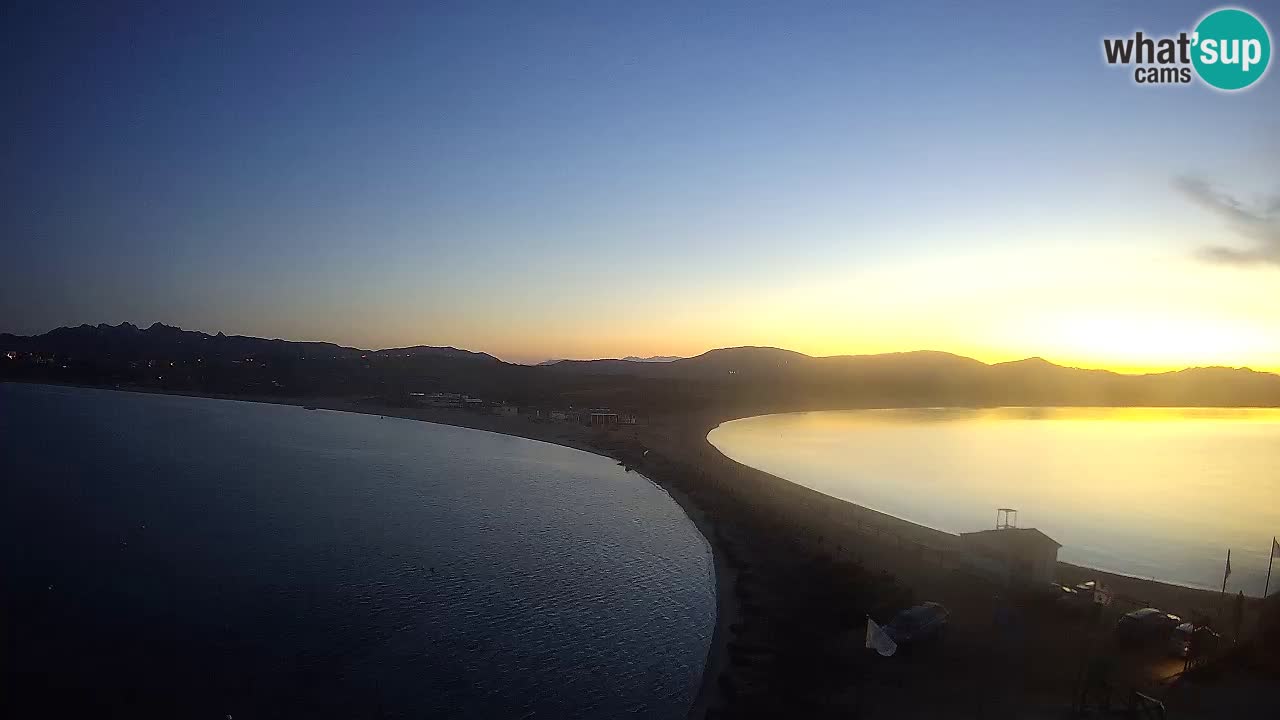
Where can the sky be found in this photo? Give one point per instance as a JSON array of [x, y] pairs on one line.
[[599, 179]]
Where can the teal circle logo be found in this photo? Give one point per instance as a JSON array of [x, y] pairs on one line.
[[1232, 49]]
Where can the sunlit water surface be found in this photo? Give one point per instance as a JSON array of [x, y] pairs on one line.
[[1157, 493], [180, 557]]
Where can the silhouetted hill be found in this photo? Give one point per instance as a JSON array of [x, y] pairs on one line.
[[710, 365], [787, 379], [443, 352], [170, 358], [726, 380], [595, 367], [126, 340], [627, 359], [653, 358]]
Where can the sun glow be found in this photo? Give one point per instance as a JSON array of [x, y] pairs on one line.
[[1058, 304], [1150, 341]]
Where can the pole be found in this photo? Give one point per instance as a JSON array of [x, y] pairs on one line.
[[1222, 598], [1226, 573], [1271, 558]]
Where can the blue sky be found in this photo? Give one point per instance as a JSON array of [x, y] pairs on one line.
[[545, 180]]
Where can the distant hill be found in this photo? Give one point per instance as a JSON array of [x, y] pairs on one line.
[[429, 351], [653, 358], [170, 358], [629, 358], [784, 378], [770, 363], [129, 339], [728, 380]]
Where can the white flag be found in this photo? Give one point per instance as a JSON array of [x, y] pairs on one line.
[[1275, 548], [879, 640]]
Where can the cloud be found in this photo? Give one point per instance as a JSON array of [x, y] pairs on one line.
[[1258, 225]]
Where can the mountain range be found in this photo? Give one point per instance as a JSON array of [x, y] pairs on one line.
[[127, 338], [743, 379]]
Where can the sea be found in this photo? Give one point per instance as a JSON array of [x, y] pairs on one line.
[[1156, 493], [167, 556]]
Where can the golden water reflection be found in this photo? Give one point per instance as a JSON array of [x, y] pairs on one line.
[[1152, 492]]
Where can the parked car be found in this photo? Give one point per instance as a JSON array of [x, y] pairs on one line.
[[1069, 600], [1147, 625], [1052, 591], [918, 624]]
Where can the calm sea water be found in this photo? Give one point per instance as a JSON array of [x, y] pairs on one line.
[[1160, 493], [181, 557]]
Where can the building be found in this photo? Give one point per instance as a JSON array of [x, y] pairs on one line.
[[1012, 556], [439, 399], [506, 410], [601, 417]]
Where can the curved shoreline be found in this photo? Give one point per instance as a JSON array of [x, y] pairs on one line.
[[707, 693], [1071, 567], [791, 563], [725, 576]]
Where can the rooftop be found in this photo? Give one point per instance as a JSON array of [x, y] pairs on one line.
[[1023, 536]]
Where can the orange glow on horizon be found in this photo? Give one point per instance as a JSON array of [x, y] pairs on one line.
[[1139, 312]]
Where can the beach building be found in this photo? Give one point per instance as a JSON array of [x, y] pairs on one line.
[[1011, 555], [439, 399], [601, 417]]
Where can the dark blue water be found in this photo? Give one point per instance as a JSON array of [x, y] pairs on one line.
[[181, 557]]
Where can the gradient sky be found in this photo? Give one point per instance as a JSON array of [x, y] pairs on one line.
[[603, 179]]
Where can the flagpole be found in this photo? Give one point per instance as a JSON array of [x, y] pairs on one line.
[[1222, 598], [1226, 573], [1270, 559]]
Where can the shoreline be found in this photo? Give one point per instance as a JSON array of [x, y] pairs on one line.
[[707, 693], [926, 535], [790, 562]]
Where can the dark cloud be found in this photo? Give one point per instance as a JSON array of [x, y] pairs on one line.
[[1257, 225]]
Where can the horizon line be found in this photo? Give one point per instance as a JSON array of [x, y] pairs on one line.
[[1132, 372]]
